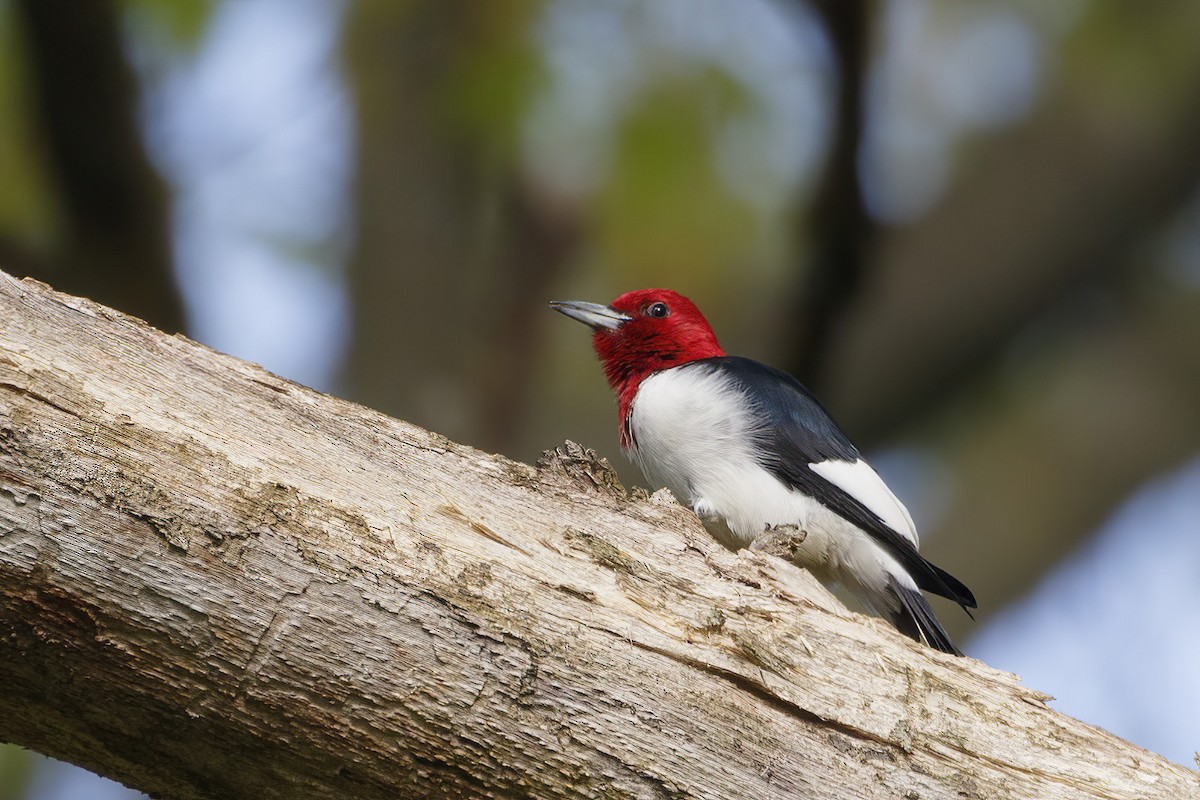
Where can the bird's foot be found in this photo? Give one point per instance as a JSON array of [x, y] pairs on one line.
[[704, 509]]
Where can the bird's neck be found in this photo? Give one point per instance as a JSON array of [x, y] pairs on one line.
[[629, 359], [625, 405], [626, 377]]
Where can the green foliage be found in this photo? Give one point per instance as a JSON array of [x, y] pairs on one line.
[[16, 771], [664, 210], [183, 21], [498, 70], [1135, 53], [26, 208]]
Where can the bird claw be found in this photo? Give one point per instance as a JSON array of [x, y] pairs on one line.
[[704, 509]]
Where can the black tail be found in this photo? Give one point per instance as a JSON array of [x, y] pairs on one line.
[[915, 619], [947, 586]]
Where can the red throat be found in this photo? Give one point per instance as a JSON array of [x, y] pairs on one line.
[[648, 343]]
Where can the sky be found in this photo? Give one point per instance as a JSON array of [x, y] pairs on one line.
[[254, 130]]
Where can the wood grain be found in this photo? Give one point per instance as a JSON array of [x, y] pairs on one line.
[[215, 583]]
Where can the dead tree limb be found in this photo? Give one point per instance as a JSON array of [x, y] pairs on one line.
[[215, 583]]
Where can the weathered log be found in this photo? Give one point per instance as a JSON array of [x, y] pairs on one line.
[[215, 583]]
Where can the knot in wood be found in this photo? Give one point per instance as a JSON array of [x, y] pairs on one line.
[[582, 465]]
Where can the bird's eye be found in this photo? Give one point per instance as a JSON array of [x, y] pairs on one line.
[[658, 310]]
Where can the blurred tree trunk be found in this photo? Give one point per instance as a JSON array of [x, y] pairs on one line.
[[454, 253], [215, 583], [837, 228], [115, 237]]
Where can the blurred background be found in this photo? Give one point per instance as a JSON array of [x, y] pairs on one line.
[[972, 227]]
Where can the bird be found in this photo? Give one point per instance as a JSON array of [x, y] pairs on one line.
[[750, 450]]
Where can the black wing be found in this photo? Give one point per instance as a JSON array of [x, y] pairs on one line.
[[801, 433]]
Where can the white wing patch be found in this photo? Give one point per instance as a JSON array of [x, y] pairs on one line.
[[862, 483]]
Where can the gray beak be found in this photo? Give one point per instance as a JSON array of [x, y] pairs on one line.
[[593, 315]]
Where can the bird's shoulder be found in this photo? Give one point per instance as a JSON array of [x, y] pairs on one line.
[[802, 446], [790, 414]]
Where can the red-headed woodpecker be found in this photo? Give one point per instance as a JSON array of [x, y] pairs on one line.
[[749, 449]]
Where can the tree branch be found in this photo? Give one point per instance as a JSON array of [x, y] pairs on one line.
[[216, 583]]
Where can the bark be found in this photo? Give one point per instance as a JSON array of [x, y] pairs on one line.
[[216, 583]]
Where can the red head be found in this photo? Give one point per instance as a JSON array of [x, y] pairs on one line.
[[641, 333]]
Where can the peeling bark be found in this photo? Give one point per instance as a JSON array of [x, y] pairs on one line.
[[216, 583]]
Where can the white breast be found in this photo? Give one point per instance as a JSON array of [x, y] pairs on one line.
[[693, 429]]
